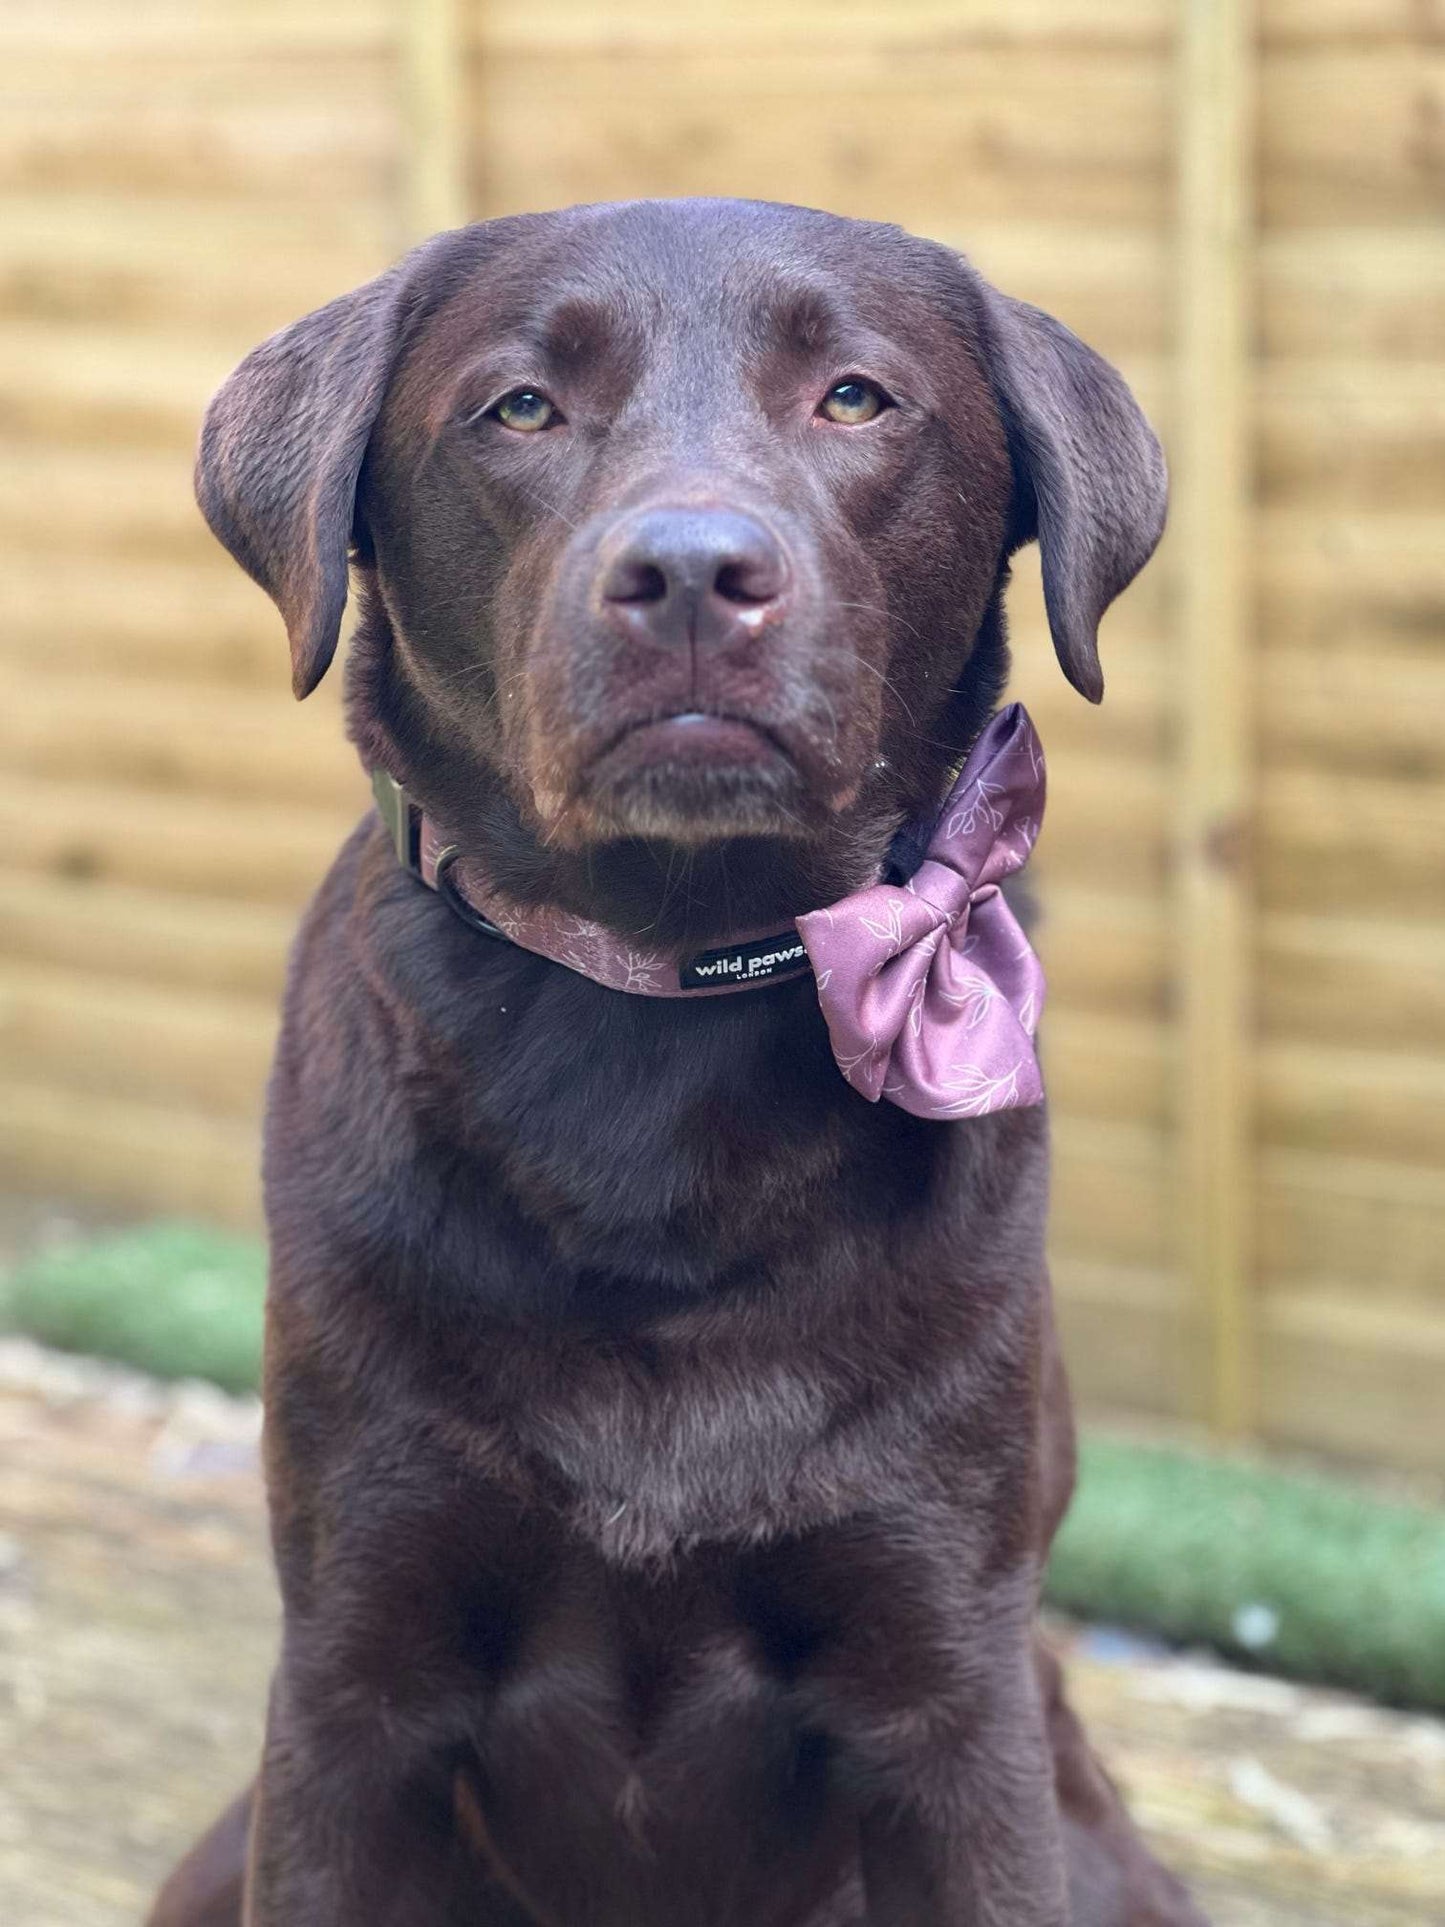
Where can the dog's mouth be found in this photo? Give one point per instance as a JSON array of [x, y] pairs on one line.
[[697, 775], [691, 739]]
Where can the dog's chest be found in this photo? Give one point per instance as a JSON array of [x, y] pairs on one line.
[[654, 1450]]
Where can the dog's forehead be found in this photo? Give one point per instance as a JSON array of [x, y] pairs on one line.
[[763, 275]]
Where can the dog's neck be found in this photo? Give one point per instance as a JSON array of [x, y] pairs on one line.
[[930, 990]]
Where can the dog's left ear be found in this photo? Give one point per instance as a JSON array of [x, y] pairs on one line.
[[1091, 480]]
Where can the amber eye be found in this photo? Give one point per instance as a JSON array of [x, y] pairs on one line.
[[853, 402], [525, 410]]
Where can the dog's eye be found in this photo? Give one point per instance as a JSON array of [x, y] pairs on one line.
[[853, 402], [525, 410]]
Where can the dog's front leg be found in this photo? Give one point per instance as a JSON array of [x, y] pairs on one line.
[[968, 1834], [329, 1848], [351, 1829]]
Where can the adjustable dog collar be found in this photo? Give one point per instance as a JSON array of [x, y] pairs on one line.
[[931, 990], [747, 962]]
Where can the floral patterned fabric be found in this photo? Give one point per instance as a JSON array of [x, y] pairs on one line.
[[930, 989]]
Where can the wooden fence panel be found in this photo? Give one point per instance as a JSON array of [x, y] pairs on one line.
[[1350, 432], [176, 180], [1247, 1068]]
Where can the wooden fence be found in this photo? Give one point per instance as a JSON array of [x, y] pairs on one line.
[[1245, 859]]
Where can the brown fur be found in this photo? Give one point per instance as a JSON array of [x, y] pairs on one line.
[[663, 1443]]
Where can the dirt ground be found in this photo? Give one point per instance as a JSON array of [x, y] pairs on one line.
[[137, 1624]]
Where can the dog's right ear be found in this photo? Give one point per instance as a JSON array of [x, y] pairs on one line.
[[281, 450]]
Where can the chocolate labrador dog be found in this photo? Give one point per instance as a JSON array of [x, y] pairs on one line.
[[663, 1441]]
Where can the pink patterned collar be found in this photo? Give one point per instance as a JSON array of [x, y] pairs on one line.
[[930, 989]]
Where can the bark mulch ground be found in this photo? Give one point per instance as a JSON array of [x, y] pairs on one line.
[[138, 1620]]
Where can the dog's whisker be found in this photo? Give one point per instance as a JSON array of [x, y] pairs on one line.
[[825, 698], [873, 609], [654, 926], [889, 684], [551, 508]]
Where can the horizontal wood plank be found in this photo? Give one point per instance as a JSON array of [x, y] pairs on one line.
[[565, 26], [1377, 981], [1371, 981], [1125, 1335], [1104, 951], [922, 137], [1368, 713], [1324, 1097], [1353, 1379], [1351, 845], [1355, 1226], [134, 502], [1370, 294], [1352, 434], [197, 620], [1113, 1197], [1105, 828], [327, 140], [1352, 134], [1108, 1067], [137, 1157], [84, 27], [1356, 581], [161, 72], [62, 383], [1338, 1098], [193, 740], [228, 274], [1351, 22], [85, 1031], [145, 936], [265, 853]]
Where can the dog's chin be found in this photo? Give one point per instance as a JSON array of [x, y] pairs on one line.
[[692, 804], [693, 780]]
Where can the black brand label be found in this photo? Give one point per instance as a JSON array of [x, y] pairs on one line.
[[744, 963]]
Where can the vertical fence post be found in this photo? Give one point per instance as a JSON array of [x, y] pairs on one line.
[[434, 82], [1212, 485]]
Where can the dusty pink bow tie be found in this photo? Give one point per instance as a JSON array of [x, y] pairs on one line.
[[930, 989]]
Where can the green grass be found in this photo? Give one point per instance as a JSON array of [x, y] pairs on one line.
[[1302, 1575], [172, 1299]]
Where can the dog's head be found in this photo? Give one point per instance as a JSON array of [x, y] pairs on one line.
[[678, 524]]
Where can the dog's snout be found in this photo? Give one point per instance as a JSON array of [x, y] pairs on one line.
[[689, 574]]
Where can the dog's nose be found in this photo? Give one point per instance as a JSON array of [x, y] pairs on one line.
[[693, 575]]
